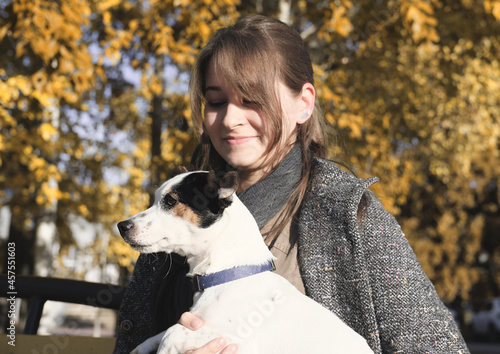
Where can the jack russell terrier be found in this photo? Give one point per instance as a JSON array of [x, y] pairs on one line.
[[238, 297]]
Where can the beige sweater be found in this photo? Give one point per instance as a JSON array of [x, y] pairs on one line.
[[286, 262]]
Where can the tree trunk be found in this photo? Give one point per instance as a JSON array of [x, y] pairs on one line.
[[156, 130]]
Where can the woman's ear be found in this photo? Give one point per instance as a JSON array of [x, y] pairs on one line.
[[306, 103]]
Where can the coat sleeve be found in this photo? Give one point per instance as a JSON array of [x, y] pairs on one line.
[[409, 314], [135, 323]]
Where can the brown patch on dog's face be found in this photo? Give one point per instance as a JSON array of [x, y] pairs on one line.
[[185, 212], [197, 198], [180, 209]]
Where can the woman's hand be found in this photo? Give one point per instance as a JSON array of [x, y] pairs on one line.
[[192, 322]]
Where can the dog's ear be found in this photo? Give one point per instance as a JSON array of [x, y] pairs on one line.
[[226, 185], [178, 170]]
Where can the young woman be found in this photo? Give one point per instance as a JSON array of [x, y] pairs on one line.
[[253, 101]]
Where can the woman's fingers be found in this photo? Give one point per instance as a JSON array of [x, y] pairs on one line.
[[214, 346], [190, 321], [230, 349], [193, 323]]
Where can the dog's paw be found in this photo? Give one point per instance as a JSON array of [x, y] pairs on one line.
[[150, 345], [175, 340]]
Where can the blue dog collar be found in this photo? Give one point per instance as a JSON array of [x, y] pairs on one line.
[[201, 282]]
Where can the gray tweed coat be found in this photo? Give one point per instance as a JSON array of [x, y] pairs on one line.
[[365, 272]]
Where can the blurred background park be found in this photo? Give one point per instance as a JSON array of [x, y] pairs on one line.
[[94, 115]]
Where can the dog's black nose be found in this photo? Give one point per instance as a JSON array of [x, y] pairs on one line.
[[125, 226]]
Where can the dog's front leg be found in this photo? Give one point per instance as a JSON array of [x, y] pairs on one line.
[[150, 345], [179, 339]]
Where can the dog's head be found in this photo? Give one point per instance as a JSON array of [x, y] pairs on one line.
[[185, 206]]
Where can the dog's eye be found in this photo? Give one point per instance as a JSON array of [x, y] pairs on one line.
[[169, 200]]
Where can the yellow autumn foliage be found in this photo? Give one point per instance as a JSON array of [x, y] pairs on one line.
[[429, 108]]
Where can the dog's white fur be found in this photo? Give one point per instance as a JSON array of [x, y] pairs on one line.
[[262, 313]]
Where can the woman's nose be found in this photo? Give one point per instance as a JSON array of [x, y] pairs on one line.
[[233, 116]]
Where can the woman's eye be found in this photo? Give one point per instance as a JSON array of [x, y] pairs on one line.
[[249, 102], [169, 200], [216, 104]]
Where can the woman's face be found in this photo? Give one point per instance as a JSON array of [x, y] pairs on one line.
[[236, 125]]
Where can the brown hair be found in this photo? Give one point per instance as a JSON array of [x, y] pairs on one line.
[[254, 55]]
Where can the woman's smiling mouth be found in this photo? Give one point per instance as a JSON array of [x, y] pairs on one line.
[[238, 140]]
